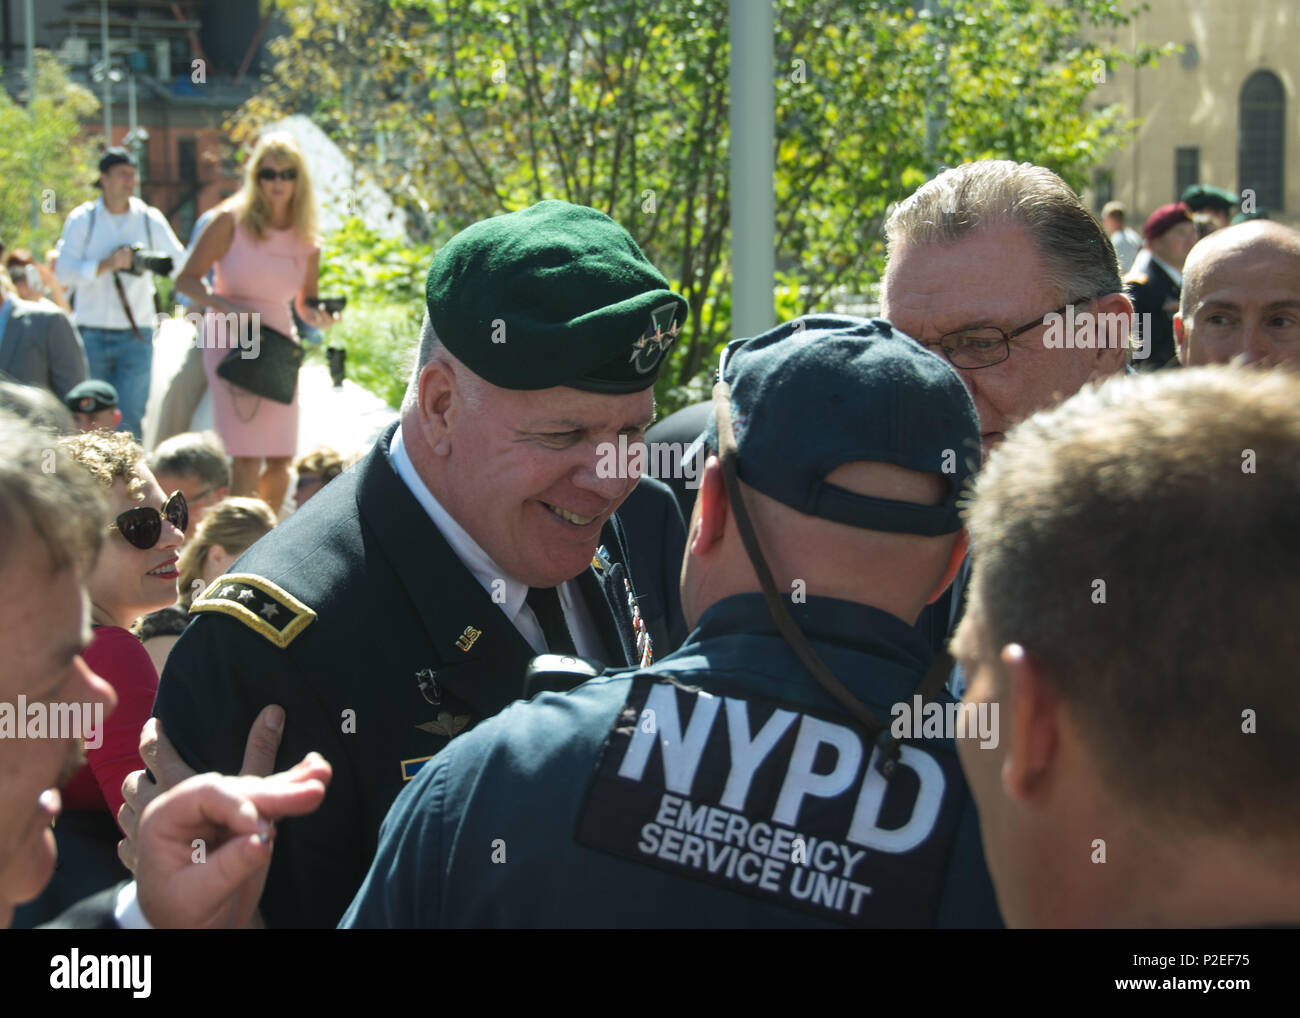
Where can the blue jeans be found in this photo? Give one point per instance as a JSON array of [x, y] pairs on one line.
[[117, 357]]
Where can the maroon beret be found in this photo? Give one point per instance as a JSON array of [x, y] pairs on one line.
[[1164, 219]]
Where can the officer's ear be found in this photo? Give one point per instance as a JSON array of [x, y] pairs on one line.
[[709, 519], [1032, 732], [435, 388], [1180, 338], [1115, 310], [955, 559]]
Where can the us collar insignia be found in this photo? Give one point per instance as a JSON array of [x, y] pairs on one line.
[[643, 644], [466, 639], [446, 724], [658, 337]]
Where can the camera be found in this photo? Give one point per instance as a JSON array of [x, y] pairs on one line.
[[143, 260], [332, 305]]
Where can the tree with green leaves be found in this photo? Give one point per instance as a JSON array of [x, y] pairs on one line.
[[45, 164], [469, 108]]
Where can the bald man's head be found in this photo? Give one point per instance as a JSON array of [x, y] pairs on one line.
[[1241, 296]]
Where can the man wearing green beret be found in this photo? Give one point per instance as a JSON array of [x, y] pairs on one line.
[[403, 604], [1213, 204], [765, 774]]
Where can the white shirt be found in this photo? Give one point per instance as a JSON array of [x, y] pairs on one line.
[[1127, 245], [507, 592], [96, 304]]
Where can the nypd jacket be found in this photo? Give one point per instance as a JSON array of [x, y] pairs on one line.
[[720, 787], [357, 617]]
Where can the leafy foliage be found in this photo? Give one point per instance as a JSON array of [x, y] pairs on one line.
[[469, 108], [43, 158]]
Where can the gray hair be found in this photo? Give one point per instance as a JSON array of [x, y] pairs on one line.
[[471, 387], [1078, 258], [192, 454], [41, 483], [39, 406]]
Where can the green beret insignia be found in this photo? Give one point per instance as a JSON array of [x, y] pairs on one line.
[[261, 605]]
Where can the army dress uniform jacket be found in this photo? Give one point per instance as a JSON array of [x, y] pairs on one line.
[[1153, 291], [357, 617], [720, 787]]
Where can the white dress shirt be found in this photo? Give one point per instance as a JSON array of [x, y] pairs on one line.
[[507, 592], [95, 303]]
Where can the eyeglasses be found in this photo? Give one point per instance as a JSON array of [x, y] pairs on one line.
[[972, 349], [266, 173], [142, 526]]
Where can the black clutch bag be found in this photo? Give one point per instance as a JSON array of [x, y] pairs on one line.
[[273, 373]]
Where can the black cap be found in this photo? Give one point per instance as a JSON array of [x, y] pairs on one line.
[[114, 156], [825, 390], [555, 294], [90, 397]]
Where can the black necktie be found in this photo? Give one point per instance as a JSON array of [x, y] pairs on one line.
[[545, 603]]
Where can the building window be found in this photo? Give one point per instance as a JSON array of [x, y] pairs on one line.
[[187, 161], [1187, 169], [1103, 188], [1261, 139]]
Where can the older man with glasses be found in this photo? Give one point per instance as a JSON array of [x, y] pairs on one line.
[[982, 261]]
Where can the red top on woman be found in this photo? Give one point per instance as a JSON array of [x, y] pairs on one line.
[[120, 659]]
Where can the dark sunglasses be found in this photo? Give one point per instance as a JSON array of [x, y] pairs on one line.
[[266, 173], [142, 526]]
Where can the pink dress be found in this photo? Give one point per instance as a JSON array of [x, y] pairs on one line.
[[264, 277]]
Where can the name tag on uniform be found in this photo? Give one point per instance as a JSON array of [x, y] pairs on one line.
[[775, 802]]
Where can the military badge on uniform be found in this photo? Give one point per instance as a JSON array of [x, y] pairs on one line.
[[263, 606], [643, 644], [445, 724], [658, 337], [466, 639]]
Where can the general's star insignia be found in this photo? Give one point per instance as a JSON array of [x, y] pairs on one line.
[[260, 604]]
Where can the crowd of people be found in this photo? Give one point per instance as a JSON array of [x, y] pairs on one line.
[[960, 626]]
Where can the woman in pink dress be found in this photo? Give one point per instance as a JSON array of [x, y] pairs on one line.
[[265, 251]]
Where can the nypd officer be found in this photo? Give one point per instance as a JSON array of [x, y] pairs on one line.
[[401, 606], [755, 776]]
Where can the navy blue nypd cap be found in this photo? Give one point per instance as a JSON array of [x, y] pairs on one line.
[[820, 391]]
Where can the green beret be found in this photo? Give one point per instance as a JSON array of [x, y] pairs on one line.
[[556, 294], [1202, 196]]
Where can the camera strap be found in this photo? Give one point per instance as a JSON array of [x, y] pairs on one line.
[[126, 306]]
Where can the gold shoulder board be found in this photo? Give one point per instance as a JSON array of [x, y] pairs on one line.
[[261, 605]]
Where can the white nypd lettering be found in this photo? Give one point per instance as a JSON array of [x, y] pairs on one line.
[[680, 754], [102, 972], [747, 754], [802, 780], [774, 802]]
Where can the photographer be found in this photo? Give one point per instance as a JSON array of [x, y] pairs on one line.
[[109, 251]]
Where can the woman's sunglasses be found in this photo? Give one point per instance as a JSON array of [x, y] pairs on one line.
[[142, 526], [266, 173]]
